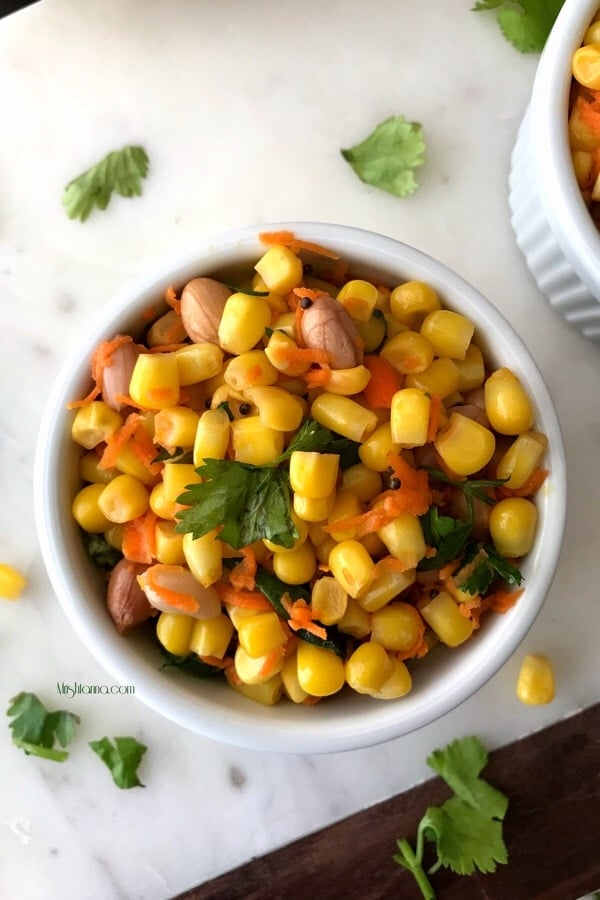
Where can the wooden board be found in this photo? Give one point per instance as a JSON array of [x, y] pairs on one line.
[[552, 831]]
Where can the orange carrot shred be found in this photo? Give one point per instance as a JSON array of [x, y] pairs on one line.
[[502, 601], [101, 359], [317, 377], [287, 239], [242, 598], [244, 574], [139, 538], [529, 488], [171, 298], [385, 381], [301, 617], [272, 659]]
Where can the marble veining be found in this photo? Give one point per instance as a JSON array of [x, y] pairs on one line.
[[243, 108]]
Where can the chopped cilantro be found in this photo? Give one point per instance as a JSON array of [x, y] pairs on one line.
[[122, 758], [525, 24], [101, 551], [35, 730], [121, 171], [387, 158]]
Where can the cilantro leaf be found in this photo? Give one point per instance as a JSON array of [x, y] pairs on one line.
[[446, 534], [249, 502], [481, 564], [386, 159], [35, 730], [101, 551], [312, 436], [459, 764], [273, 588], [525, 24], [189, 664], [122, 758], [465, 838], [179, 455], [121, 171]]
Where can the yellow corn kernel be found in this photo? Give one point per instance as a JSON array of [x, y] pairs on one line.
[[160, 507], [408, 352], [212, 436], [347, 381], [359, 299], [313, 474], [123, 499], [397, 685], [89, 471], [328, 600], [323, 550], [372, 333], [351, 564], [373, 544], [356, 621], [129, 464], [279, 352], [385, 587], [320, 671], [512, 525], [409, 419], [12, 583], [373, 452], [346, 506], [465, 445], [243, 323], [237, 614], [174, 631], [301, 527], [114, 536], [412, 300], [280, 269], [291, 683], [316, 533], [176, 479], [296, 566], [521, 458], [362, 480], [94, 423], [535, 684], [211, 637], [507, 405], [313, 509], [169, 544], [441, 377], [86, 510], [344, 416], [393, 326], [277, 408], [592, 34], [471, 369], [444, 617], [154, 381], [398, 627], [403, 537], [250, 369], [267, 693], [449, 332], [260, 634], [253, 443], [176, 427], [255, 669], [582, 166], [276, 303], [368, 668], [586, 66], [167, 329], [198, 362], [204, 557]]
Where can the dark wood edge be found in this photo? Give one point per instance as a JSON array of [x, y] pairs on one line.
[[552, 831]]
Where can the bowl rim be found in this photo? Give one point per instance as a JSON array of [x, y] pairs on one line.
[[565, 209], [251, 727]]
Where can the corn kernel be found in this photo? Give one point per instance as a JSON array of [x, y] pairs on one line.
[[250, 369], [404, 539], [328, 600], [12, 583], [167, 329], [408, 352], [384, 587], [204, 557], [255, 669], [449, 332], [443, 616], [280, 269], [89, 471], [372, 333], [368, 668], [412, 300], [347, 382], [291, 683], [359, 299], [260, 634], [362, 480], [86, 510], [169, 544], [243, 323], [320, 671], [93, 423], [344, 416], [313, 509], [398, 627], [295, 566], [279, 351], [373, 452], [512, 526], [586, 66], [267, 693], [346, 506], [535, 684], [313, 474], [176, 427], [174, 631], [253, 443], [198, 362], [129, 464], [409, 420], [277, 408], [441, 377], [212, 436], [397, 685], [521, 458], [507, 405], [465, 445], [211, 637], [352, 566], [471, 369], [154, 381], [177, 477], [123, 499]]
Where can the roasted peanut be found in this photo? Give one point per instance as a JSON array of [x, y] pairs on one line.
[[202, 302], [327, 326], [125, 600]]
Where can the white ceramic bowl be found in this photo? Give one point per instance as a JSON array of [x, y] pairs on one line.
[[554, 229], [350, 720]]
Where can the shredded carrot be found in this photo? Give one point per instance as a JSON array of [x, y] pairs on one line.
[[304, 354], [502, 601], [185, 603], [390, 562], [311, 293], [589, 110], [117, 441], [133, 433], [216, 662], [449, 569], [529, 488], [287, 239], [139, 538], [244, 599], [317, 377], [244, 574], [435, 412], [272, 660], [385, 381], [171, 298], [301, 616], [101, 359], [151, 312]]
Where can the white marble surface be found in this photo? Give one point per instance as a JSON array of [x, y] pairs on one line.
[[243, 108]]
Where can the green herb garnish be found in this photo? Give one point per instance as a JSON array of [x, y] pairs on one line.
[[178, 455], [120, 171], [190, 664], [122, 758], [481, 564], [525, 24], [248, 291], [101, 551], [467, 828], [35, 730], [387, 158]]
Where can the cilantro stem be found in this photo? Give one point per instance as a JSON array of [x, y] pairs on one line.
[[412, 861], [38, 750]]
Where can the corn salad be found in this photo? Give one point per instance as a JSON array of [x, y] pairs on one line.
[[402, 474], [584, 117]]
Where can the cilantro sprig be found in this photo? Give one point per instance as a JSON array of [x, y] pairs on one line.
[[387, 158], [249, 502], [35, 730], [525, 24], [122, 758], [467, 828], [118, 172]]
